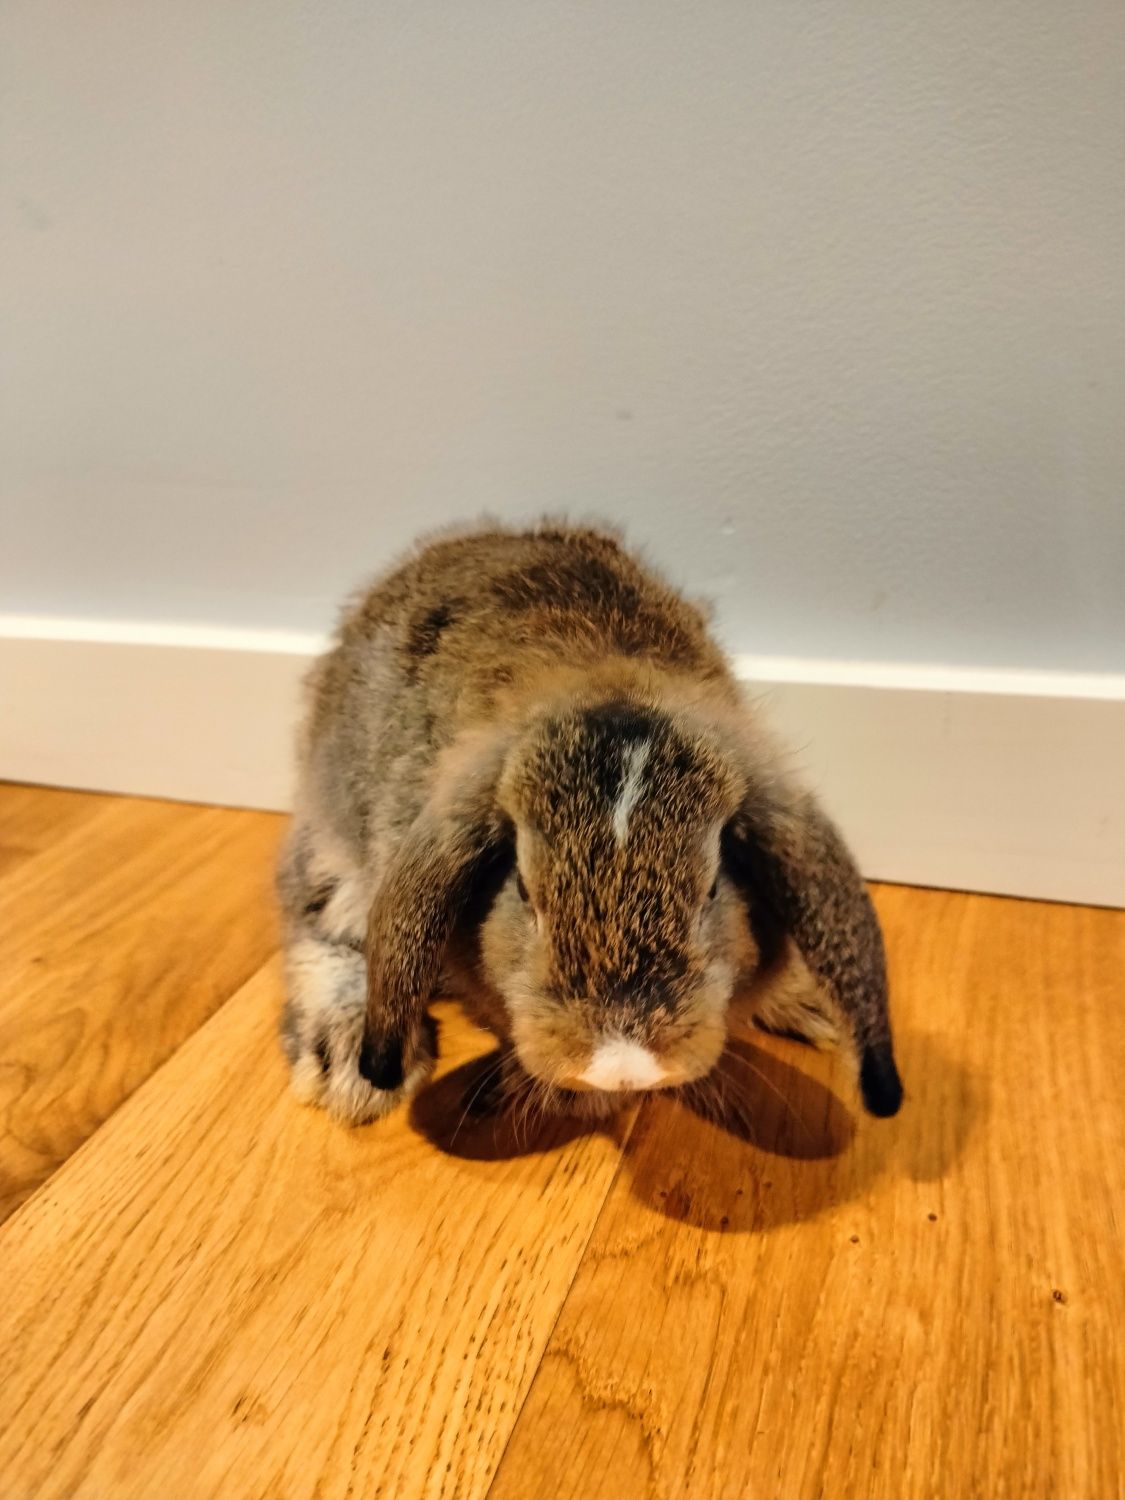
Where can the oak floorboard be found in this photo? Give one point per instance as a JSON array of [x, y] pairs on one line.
[[32, 818], [120, 936], [226, 1294], [221, 1294]]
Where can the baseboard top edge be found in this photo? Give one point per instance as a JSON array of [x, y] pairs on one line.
[[764, 671]]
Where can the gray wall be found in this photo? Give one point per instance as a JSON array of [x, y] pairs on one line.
[[825, 301]]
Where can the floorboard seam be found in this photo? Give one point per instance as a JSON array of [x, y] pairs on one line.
[[42, 1187], [564, 1300]]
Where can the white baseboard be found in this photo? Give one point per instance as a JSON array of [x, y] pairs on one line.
[[195, 714], [999, 781]]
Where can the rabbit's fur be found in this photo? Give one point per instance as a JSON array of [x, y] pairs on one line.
[[527, 766]]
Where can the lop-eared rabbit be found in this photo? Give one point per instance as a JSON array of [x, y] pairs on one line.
[[527, 773]]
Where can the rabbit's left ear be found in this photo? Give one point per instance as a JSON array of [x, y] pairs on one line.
[[460, 842], [784, 849]]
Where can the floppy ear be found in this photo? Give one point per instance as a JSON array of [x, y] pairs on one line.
[[459, 840], [786, 850]]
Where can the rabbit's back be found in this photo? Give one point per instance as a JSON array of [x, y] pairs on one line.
[[577, 593], [468, 619]]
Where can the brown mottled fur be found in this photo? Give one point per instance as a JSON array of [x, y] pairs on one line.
[[526, 762]]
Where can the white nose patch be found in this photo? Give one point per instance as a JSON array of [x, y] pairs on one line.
[[620, 1064]]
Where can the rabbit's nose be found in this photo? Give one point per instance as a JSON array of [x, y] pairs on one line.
[[618, 1063]]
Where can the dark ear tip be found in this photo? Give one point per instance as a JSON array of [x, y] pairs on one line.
[[380, 1061], [879, 1082]]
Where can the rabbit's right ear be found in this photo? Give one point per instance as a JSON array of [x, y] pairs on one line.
[[459, 840]]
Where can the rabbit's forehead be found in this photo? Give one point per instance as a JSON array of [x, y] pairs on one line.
[[614, 773]]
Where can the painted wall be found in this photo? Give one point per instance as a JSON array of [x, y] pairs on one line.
[[826, 302]]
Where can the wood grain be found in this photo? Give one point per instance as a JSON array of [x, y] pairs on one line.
[[224, 1294], [32, 818], [119, 939], [221, 1294], [825, 1306]]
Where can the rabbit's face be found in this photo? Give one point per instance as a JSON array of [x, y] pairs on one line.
[[616, 941]]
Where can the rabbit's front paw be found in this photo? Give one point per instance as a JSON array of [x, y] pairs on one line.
[[322, 1032], [333, 1073]]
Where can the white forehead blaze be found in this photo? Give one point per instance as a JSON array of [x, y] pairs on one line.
[[636, 758], [621, 1064]]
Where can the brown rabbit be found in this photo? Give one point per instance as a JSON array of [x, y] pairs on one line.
[[526, 765]]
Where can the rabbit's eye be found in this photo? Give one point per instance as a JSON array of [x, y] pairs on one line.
[[521, 888]]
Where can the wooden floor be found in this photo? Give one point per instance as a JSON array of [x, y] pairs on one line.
[[210, 1291]]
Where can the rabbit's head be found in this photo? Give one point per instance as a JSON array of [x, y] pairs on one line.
[[612, 850], [616, 940]]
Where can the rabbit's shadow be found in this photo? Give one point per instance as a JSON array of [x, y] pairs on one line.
[[767, 1140]]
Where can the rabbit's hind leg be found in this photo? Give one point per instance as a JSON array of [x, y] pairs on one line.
[[786, 1000]]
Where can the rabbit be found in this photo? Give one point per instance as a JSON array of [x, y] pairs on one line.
[[527, 773]]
